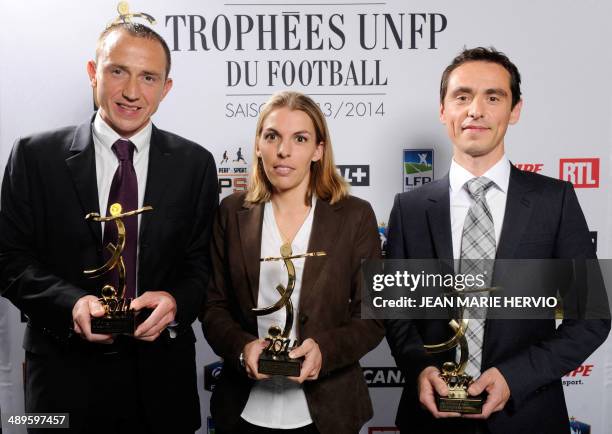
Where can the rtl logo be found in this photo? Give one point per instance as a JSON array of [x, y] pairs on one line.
[[582, 172], [529, 167]]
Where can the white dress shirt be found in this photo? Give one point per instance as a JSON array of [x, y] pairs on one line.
[[107, 162], [460, 199], [278, 402]]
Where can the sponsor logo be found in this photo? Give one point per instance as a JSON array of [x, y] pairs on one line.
[[577, 427], [581, 371], [530, 167], [385, 376], [383, 429], [575, 377], [232, 171], [210, 425], [582, 172], [418, 168], [211, 375], [382, 233], [594, 239], [356, 175]]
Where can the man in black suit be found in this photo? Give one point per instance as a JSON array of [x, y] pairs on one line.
[[528, 216], [107, 383]]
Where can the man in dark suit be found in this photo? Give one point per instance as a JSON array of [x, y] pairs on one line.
[[107, 383], [520, 215]]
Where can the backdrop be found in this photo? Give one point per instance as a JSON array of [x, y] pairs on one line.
[[374, 68]]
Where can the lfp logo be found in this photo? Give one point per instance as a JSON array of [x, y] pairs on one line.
[[418, 168], [582, 172]]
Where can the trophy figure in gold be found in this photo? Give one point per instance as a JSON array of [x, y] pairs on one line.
[[454, 374], [275, 360], [118, 317]]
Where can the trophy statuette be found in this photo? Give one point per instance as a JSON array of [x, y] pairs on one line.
[[118, 318], [454, 375], [458, 400], [274, 359]]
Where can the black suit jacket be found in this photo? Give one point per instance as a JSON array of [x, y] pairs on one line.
[[45, 244], [542, 220]]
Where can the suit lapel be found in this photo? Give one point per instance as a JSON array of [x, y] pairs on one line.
[[82, 167], [159, 168], [325, 229], [250, 224], [518, 211], [438, 217]]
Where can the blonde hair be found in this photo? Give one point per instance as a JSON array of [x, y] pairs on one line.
[[325, 181]]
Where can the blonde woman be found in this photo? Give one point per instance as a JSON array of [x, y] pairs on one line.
[[295, 197]]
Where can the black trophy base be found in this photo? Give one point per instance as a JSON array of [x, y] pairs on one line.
[[469, 405], [124, 324], [279, 364]]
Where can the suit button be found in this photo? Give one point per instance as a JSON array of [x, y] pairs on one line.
[[303, 318]]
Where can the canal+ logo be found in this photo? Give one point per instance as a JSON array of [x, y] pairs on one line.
[[418, 168], [356, 175], [383, 376]]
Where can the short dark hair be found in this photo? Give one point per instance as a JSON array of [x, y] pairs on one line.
[[484, 54], [139, 31]]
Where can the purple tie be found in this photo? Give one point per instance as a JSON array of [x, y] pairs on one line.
[[124, 190]]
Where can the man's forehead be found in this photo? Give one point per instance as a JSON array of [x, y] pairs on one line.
[[111, 39], [123, 38], [480, 74]]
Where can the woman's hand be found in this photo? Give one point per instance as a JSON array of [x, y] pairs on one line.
[[251, 353], [311, 366]]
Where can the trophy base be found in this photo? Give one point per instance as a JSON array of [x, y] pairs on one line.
[[280, 364], [124, 324], [469, 405]]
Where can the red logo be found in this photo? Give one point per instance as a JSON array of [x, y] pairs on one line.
[[529, 167], [582, 172], [581, 371]]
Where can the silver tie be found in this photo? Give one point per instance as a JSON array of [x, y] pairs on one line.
[[477, 244]]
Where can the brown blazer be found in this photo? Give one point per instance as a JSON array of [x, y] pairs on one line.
[[329, 309]]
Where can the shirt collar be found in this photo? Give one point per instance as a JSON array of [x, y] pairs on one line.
[[499, 174], [107, 136]]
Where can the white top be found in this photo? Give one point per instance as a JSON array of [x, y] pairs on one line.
[[460, 199], [278, 402]]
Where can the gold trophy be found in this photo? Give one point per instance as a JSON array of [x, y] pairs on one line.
[[127, 16], [274, 359], [453, 374], [118, 317]]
